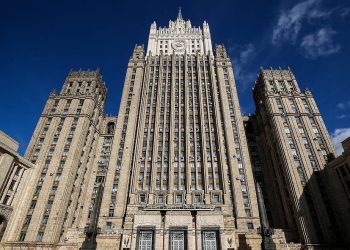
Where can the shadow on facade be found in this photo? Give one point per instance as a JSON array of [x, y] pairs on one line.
[[89, 242], [325, 236], [3, 224], [243, 244], [92, 229]]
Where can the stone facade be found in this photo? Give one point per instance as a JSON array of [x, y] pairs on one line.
[[336, 177], [295, 147], [13, 168], [176, 169]]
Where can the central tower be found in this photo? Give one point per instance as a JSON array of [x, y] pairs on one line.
[[184, 160], [179, 38]]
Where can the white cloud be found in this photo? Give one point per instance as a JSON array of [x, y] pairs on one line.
[[339, 135], [247, 53], [344, 12], [289, 22], [320, 43], [241, 63], [343, 105], [342, 116]]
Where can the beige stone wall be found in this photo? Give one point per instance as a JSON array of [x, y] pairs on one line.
[[293, 129]]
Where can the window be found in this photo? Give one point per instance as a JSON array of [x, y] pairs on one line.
[[22, 236], [65, 152], [7, 197], [210, 240], [177, 240], [314, 165], [250, 225], [109, 225], [110, 128], [42, 177], [12, 185], [246, 201], [58, 177], [142, 198], [197, 198], [178, 198], [48, 121], [248, 212], [69, 141], [216, 198], [145, 240], [49, 204], [27, 220], [44, 220], [40, 236], [75, 121], [32, 205]]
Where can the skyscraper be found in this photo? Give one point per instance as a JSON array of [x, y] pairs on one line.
[[190, 170], [296, 147], [62, 147]]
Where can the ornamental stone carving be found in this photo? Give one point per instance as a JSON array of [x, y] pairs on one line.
[[5, 211]]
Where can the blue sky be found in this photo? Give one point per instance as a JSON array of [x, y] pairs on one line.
[[40, 41]]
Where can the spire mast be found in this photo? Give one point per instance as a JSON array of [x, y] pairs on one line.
[[179, 15]]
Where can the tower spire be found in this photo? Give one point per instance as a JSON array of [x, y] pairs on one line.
[[179, 15]]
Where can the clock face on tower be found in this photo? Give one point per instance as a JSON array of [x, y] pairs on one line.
[[178, 45]]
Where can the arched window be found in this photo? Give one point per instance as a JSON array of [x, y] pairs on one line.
[[110, 128]]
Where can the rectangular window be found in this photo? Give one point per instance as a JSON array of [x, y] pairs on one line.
[[40, 236], [161, 199], [145, 240], [179, 198], [210, 240], [108, 225], [216, 198], [142, 198], [177, 240], [197, 198], [22, 236], [111, 212]]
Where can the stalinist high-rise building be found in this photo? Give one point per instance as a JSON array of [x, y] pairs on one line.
[[172, 170]]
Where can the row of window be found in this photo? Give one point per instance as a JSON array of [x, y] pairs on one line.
[[281, 85], [238, 150], [177, 239], [292, 104], [42, 177], [179, 198], [179, 120], [179, 61]]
